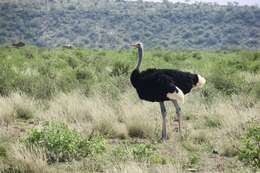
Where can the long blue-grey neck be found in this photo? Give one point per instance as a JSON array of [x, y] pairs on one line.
[[140, 56]]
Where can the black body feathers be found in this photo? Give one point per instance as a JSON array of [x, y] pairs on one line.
[[154, 84]]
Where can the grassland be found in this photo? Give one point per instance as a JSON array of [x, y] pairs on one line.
[[65, 110]]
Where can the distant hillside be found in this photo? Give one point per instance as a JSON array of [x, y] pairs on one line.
[[115, 24]]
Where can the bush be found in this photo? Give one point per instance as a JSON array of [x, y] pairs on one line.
[[63, 144], [250, 150], [84, 74], [143, 152], [121, 153], [226, 80], [196, 55], [139, 152], [148, 153], [92, 146], [7, 78], [120, 68], [256, 90], [193, 158], [86, 79]]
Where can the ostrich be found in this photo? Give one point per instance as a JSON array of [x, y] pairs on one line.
[[159, 85]]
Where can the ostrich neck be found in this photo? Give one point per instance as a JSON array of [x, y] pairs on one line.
[[140, 56]]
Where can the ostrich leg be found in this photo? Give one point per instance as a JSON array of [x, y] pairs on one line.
[[178, 112], [164, 113]]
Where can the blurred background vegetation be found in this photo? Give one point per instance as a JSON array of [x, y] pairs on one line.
[[42, 72], [115, 24]]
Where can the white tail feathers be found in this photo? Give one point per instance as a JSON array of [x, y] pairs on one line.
[[179, 96], [201, 82]]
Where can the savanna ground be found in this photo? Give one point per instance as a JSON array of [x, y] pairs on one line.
[[75, 111]]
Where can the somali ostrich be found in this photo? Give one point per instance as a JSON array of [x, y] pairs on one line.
[[159, 85]]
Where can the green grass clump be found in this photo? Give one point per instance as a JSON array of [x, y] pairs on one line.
[[7, 77], [212, 122], [139, 152], [143, 152], [193, 159], [62, 143], [250, 151], [92, 146], [226, 80], [120, 68], [147, 153], [121, 153], [256, 90]]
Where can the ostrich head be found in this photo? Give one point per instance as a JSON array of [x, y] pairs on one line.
[[138, 45]]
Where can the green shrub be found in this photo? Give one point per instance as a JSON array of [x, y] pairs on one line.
[[196, 55], [157, 159], [256, 56], [42, 88], [7, 78], [193, 158], [256, 90], [226, 80], [250, 150], [120, 68], [92, 146], [139, 152], [63, 144], [167, 57], [84, 74], [143, 152], [121, 153], [148, 153], [248, 61], [253, 66]]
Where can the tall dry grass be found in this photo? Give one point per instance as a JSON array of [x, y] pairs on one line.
[[17, 105], [206, 127]]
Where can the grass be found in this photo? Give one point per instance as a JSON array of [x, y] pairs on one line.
[[89, 91]]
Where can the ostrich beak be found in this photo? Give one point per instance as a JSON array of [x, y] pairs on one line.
[[134, 45]]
